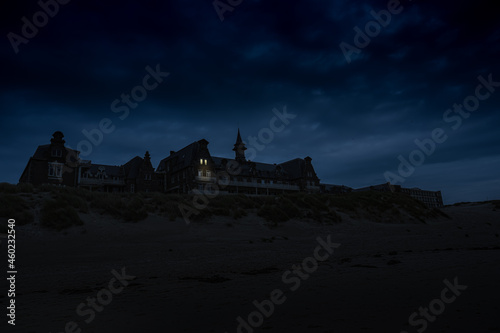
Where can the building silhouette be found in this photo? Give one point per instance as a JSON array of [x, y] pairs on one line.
[[59, 165], [191, 169]]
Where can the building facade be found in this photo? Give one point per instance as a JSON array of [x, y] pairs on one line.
[[194, 168], [52, 164], [431, 199], [191, 170], [58, 165]]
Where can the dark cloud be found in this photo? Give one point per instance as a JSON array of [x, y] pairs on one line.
[[353, 119]]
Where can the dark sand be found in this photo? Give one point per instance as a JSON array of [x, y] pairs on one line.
[[201, 277]]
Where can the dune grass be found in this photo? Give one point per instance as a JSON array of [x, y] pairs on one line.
[[15, 207], [58, 214], [60, 207]]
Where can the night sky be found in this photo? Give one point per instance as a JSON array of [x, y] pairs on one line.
[[354, 115]]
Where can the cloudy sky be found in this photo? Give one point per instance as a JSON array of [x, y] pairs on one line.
[[361, 92]]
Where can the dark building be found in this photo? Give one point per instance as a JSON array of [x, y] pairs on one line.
[[140, 175], [59, 165], [335, 189], [137, 175], [52, 164], [190, 170], [193, 168], [432, 199]]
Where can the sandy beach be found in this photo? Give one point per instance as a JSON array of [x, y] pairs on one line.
[[201, 277]]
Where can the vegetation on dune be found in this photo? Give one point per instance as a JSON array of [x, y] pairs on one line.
[[58, 214], [384, 207], [13, 206], [130, 208], [60, 207], [19, 188]]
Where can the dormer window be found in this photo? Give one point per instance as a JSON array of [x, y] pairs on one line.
[[56, 152]]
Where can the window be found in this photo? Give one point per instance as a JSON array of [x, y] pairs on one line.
[[200, 173], [209, 174], [201, 161], [56, 152], [55, 170], [132, 188], [205, 162]]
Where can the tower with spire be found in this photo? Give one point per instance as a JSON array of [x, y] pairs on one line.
[[239, 149]]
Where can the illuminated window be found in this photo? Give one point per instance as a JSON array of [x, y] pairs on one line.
[[201, 161], [205, 162]]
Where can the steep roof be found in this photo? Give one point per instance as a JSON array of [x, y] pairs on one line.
[[257, 169], [180, 159], [132, 167], [295, 168], [43, 152]]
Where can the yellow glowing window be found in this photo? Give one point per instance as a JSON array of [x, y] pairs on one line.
[[205, 162], [201, 161]]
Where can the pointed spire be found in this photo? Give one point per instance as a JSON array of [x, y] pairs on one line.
[[239, 148], [238, 138]]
